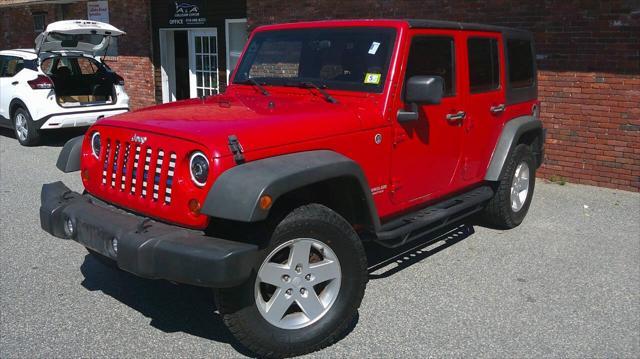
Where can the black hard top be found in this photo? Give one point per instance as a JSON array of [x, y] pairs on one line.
[[439, 24]]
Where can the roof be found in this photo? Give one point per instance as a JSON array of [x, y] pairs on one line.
[[439, 24], [411, 23], [28, 54]]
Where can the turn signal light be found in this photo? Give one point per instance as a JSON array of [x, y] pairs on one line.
[[265, 202], [194, 206], [85, 175], [41, 82]]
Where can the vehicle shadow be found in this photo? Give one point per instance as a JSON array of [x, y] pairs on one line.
[[51, 138], [171, 308], [385, 262], [182, 308]]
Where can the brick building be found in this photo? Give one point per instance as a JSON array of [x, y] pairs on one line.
[[588, 57]]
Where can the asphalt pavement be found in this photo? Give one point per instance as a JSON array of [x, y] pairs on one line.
[[566, 283]]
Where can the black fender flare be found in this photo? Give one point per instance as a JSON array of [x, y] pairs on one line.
[[69, 158], [236, 193], [511, 133]]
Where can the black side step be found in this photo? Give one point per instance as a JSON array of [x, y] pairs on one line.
[[400, 231]]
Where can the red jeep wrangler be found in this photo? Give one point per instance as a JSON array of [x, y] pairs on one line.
[[332, 133]]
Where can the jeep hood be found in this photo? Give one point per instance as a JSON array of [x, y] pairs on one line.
[[256, 124]]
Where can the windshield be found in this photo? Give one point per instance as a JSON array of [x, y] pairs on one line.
[[355, 59]]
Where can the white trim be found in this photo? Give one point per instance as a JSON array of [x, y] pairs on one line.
[[167, 64], [226, 34]]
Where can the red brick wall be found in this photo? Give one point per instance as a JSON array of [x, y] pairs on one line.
[[589, 60], [133, 62]]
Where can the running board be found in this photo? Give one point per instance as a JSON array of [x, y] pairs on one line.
[[400, 231]]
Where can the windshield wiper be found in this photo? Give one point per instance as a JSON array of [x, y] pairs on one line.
[[253, 81], [309, 84]]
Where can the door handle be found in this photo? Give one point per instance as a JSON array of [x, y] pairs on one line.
[[460, 115], [14, 83], [497, 109]]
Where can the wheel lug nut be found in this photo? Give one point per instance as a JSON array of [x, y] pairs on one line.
[[285, 278], [289, 291], [307, 277], [298, 268], [302, 291]]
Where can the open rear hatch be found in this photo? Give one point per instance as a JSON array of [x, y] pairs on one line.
[[67, 51], [88, 37]]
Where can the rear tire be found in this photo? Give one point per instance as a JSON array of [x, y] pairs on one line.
[[24, 127], [512, 199], [312, 235]]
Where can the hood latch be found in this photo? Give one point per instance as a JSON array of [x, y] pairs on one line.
[[236, 149]]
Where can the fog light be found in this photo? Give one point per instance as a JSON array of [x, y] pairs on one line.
[[69, 227], [194, 206], [114, 245]]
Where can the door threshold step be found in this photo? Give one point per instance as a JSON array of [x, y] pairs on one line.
[[402, 230]]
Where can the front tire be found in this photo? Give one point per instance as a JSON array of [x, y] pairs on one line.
[[309, 284], [26, 131], [512, 199]]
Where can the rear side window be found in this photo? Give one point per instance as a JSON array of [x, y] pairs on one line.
[[3, 60], [433, 56], [520, 59], [10, 66], [484, 65]]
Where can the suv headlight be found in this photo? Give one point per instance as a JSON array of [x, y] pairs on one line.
[[199, 168], [95, 144]]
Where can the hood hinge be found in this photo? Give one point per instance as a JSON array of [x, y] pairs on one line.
[[236, 149]]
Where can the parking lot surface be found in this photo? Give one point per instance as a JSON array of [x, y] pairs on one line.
[[566, 283]]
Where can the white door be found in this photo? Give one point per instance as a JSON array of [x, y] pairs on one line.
[[203, 63]]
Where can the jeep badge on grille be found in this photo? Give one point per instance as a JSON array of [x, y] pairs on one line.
[[138, 139]]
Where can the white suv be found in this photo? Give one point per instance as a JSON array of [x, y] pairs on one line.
[[62, 82]]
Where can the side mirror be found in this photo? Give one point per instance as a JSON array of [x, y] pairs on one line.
[[421, 90]]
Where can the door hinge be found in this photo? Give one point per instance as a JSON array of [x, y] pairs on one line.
[[236, 148]]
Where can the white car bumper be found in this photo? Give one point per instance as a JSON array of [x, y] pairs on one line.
[[77, 119]]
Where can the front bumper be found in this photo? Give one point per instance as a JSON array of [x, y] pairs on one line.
[[145, 248]]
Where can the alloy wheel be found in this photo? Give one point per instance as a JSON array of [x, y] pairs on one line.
[[297, 283]]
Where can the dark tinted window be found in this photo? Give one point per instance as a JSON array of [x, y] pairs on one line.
[[484, 65], [520, 59], [433, 56], [10, 65]]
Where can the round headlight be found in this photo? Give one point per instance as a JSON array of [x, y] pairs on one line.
[[95, 144], [199, 167]]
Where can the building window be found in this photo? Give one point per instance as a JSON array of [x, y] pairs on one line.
[[39, 22]]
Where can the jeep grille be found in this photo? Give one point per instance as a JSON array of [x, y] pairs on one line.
[[147, 175]]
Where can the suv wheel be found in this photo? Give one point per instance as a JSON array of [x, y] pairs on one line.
[[510, 204], [25, 129], [309, 283]]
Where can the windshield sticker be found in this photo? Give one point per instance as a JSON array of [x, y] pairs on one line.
[[374, 48], [371, 78]]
